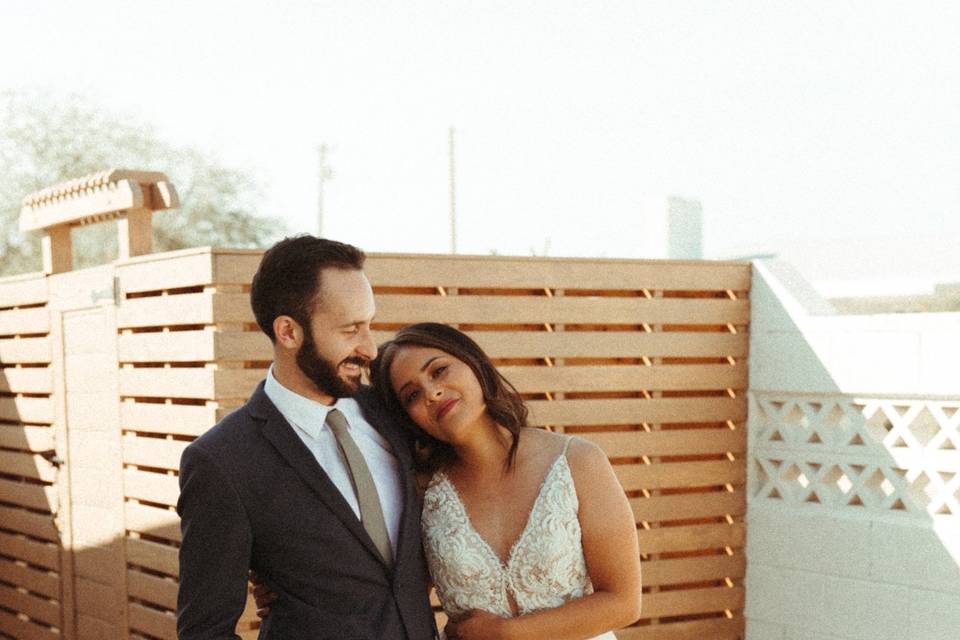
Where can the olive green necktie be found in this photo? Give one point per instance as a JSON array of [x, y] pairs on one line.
[[371, 513]]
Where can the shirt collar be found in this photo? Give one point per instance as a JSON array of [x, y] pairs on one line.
[[309, 415]]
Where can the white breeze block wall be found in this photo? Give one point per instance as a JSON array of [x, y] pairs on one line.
[[853, 513]]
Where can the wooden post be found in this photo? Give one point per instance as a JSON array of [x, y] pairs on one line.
[[57, 249], [135, 233]]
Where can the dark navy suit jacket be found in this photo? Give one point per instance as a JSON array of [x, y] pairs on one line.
[[253, 496]]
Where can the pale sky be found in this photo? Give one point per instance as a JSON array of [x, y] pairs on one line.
[[786, 119]]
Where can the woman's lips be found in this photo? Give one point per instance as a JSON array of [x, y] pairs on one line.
[[445, 408]]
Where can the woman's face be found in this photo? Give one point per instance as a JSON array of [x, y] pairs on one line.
[[440, 393]]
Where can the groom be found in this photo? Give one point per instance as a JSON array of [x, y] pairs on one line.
[[310, 482]]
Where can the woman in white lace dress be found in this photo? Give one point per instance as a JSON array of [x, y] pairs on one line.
[[527, 533]]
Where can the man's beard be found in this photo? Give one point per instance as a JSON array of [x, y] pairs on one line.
[[323, 373]]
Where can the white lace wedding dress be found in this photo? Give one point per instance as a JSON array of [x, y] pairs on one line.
[[545, 567]]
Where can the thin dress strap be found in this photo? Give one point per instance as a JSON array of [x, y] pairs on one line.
[[566, 445]]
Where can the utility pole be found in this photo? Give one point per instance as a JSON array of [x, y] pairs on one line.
[[453, 195], [324, 173]]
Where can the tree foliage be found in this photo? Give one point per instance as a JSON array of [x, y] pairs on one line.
[[46, 139]]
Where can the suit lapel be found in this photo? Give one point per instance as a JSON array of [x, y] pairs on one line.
[[281, 435]]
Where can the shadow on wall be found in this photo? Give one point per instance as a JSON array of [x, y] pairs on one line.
[[63, 571], [854, 489]]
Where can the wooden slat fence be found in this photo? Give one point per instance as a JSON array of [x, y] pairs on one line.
[[647, 359], [30, 554], [189, 352]]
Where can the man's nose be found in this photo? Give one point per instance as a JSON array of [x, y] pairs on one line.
[[367, 347]]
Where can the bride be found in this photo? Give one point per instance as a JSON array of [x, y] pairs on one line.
[[527, 533]]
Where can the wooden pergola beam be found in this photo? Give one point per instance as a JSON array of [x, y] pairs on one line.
[[130, 197]]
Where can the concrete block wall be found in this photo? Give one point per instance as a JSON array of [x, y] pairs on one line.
[[854, 470], [830, 575]]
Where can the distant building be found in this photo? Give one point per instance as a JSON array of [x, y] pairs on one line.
[[672, 228], [944, 297], [872, 273]]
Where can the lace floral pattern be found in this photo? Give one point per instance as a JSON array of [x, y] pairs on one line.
[[545, 567]]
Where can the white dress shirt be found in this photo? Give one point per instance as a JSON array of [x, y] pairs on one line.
[[308, 419]]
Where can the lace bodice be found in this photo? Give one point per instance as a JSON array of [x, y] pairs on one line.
[[544, 569]]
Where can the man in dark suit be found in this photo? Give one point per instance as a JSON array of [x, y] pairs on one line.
[[309, 483]]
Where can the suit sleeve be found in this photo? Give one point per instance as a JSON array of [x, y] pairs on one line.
[[214, 551]]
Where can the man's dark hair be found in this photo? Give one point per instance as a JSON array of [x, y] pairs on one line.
[[504, 404], [287, 282]]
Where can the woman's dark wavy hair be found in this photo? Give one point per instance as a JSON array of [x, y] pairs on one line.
[[504, 404]]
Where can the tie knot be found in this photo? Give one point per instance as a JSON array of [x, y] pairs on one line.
[[338, 422]]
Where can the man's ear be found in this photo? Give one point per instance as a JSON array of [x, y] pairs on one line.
[[288, 331]]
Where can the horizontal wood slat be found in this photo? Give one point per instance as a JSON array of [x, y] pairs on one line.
[[153, 555], [153, 452], [26, 380], [603, 344], [636, 411], [159, 624], [194, 346], [186, 309], [574, 310], [690, 601], [698, 537], [45, 583], [542, 379], [176, 419], [689, 505], [42, 497], [21, 629], [25, 350], [41, 554], [534, 273], [159, 523], [27, 289], [662, 475], [190, 382], [152, 589], [236, 266], [28, 465], [674, 571], [172, 270], [152, 487], [26, 438], [24, 321], [38, 608], [26, 409], [36, 525], [667, 443]]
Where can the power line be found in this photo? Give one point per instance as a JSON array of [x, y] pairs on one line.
[[324, 173], [453, 194]]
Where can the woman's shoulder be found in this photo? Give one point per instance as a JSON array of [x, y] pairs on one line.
[[579, 452], [587, 462]]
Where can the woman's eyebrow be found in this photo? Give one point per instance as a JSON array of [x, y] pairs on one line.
[[427, 363], [423, 368]]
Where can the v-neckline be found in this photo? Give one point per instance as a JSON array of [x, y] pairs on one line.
[[505, 565]]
